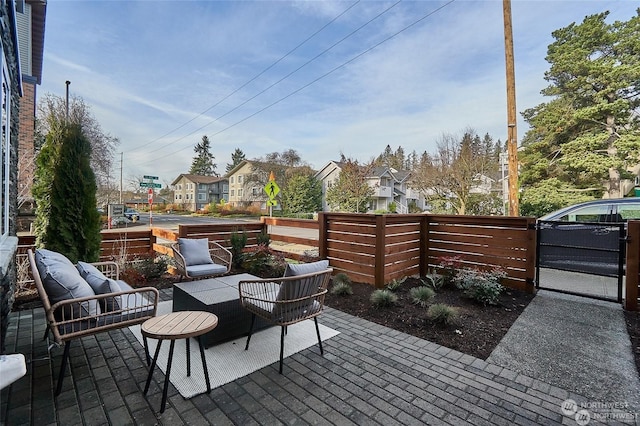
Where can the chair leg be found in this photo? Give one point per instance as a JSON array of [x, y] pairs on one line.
[[46, 333], [315, 319], [63, 366], [253, 320], [282, 333]]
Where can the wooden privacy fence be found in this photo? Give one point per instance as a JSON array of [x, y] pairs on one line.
[[376, 249], [632, 288]]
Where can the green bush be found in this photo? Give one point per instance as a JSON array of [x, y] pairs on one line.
[[262, 261], [341, 288], [442, 314], [237, 241], [434, 280], [151, 268], [263, 239], [341, 277], [481, 286], [383, 298], [421, 295], [395, 284]]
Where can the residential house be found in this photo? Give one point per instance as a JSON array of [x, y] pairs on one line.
[[30, 18], [195, 192], [11, 106], [246, 184], [389, 186]]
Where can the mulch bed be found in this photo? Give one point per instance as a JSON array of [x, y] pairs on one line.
[[478, 329]]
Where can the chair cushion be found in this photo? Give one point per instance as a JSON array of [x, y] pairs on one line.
[[62, 281], [100, 285], [293, 269], [195, 251], [206, 269]]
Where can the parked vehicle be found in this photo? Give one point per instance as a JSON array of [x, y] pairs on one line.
[[131, 214], [618, 210], [587, 237]]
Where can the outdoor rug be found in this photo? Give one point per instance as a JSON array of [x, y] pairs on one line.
[[229, 361]]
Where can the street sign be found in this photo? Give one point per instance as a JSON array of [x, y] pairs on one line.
[[272, 202], [272, 189], [150, 195], [150, 185], [151, 177]]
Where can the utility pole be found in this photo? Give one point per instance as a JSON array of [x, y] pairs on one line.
[[67, 104], [121, 158], [512, 133]]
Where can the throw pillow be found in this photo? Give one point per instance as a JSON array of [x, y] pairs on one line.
[[293, 269], [62, 281], [100, 285], [195, 251]]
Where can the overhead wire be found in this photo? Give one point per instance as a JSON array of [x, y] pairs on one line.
[[251, 80], [315, 80], [280, 80]]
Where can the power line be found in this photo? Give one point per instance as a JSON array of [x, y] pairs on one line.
[[249, 81], [280, 80], [317, 79]]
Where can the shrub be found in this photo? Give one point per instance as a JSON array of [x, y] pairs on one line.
[[133, 277], [395, 284], [482, 286], [383, 298], [442, 314], [262, 261], [263, 239], [341, 277], [237, 241], [341, 288], [151, 268], [434, 280], [421, 295], [448, 266]]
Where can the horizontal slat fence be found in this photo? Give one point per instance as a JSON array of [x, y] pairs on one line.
[[376, 249], [632, 291]]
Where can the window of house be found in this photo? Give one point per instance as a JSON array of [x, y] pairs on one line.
[[6, 146], [239, 192], [231, 179], [179, 187], [255, 191], [202, 186], [233, 192], [240, 179], [202, 197], [225, 188]]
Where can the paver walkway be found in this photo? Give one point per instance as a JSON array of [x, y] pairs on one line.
[[369, 375]]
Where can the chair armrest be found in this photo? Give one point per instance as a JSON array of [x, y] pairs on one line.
[[65, 326], [181, 263], [220, 255], [109, 269]]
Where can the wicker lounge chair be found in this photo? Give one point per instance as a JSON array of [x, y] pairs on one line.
[[298, 296], [201, 258]]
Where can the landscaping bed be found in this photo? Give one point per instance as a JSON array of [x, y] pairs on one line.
[[477, 330]]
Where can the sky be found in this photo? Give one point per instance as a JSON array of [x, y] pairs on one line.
[[322, 77]]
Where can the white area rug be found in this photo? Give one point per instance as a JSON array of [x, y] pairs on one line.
[[229, 361]]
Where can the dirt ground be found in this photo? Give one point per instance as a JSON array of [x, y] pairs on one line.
[[478, 328]]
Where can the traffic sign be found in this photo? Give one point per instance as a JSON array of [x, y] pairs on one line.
[[150, 185], [272, 202], [150, 195], [272, 189], [151, 177]]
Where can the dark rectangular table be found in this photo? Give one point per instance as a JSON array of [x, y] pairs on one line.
[[220, 297]]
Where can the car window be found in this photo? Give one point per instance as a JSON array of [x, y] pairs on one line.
[[597, 213], [629, 211]]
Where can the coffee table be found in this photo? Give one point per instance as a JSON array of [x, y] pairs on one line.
[[220, 297]]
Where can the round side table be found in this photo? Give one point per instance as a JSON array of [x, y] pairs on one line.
[[174, 326]]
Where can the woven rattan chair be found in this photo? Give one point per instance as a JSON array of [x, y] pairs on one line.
[[200, 258], [286, 301]]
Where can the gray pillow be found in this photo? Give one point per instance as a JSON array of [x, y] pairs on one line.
[[293, 269], [100, 285], [195, 251], [62, 281]]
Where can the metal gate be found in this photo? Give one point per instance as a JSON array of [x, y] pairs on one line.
[[584, 252]]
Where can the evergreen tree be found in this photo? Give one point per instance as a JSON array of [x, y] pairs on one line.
[[588, 135], [67, 219], [236, 158], [202, 163]]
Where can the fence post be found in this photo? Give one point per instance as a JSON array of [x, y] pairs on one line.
[[379, 270], [424, 245], [633, 271], [322, 235], [532, 252]]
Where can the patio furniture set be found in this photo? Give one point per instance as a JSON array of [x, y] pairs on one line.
[[86, 299]]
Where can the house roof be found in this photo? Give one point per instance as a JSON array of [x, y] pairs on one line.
[[199, 178]]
